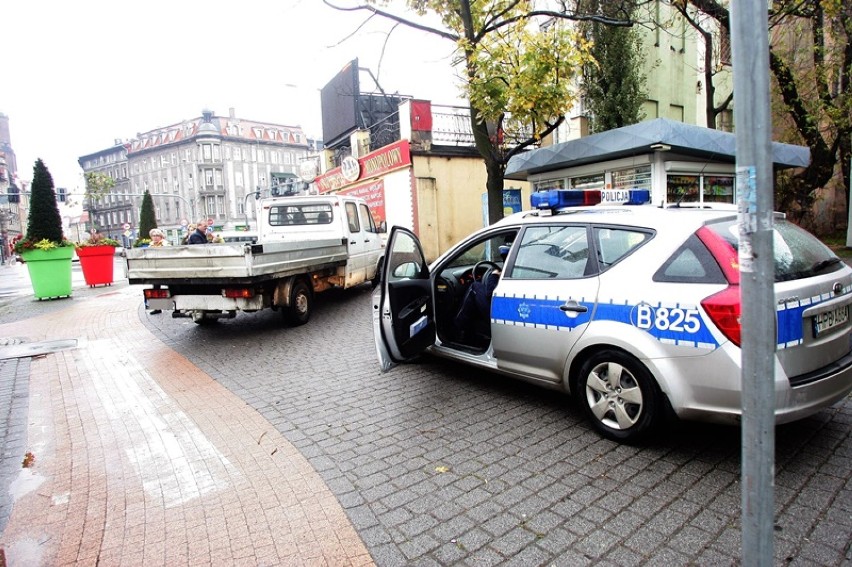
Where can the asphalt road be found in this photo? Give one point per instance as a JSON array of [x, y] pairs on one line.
[[438, 464]]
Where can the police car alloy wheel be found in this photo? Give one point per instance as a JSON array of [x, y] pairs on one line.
[[618, 396]]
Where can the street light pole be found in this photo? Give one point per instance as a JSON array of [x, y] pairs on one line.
[[245, 205]]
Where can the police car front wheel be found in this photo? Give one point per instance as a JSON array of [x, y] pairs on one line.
[[618, 395]]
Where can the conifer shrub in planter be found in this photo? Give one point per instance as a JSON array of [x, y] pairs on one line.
[[44, 248]]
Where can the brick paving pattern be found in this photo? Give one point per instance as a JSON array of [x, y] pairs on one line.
[[432, 463], [142, 459]]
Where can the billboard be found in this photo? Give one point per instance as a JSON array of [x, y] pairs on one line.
[[339, 103]]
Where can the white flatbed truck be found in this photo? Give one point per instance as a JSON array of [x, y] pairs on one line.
[[305, 245]]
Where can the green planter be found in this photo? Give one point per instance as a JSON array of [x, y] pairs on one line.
[[50, 271]]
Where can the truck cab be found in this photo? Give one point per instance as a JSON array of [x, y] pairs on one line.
[[295, 219]]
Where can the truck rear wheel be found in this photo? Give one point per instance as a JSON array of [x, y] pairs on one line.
[[301, 304]]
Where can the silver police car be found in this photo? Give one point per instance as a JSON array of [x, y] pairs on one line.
[[633, 309]]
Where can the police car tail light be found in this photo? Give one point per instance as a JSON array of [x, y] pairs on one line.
[[725, 254], [724, 310]]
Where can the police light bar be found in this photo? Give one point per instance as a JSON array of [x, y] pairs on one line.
[[558, 198], [626, 197], [561, 198]]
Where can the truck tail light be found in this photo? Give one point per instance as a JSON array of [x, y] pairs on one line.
[[238, 293], [724, 310], [156, 293]]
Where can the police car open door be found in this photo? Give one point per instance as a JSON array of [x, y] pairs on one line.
[[403, 316]]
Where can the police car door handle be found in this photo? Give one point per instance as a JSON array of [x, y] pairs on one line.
[[573, 307]]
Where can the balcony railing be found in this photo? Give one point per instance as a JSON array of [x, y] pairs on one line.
[[451, 126]]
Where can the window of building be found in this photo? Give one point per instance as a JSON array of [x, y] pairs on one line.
[[206, 152], [238, 178], [683, 189], [724, 46], [547, 184], [238, 154], [218, 173], [208, 178], [588, 182], [189, 180], [718, 188], [217, 152], [700, 189], [633, 178]]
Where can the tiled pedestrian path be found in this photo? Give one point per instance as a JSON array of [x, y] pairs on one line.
[[142, 459]]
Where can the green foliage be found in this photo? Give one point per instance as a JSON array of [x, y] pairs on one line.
[[520, 66], [147, 220], [613, 86], [523, 79], [43, 222], [98, 184], [102, 241]]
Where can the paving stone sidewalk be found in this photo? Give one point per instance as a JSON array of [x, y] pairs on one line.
[[140, 458]]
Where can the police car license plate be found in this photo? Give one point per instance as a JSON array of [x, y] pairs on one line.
[[830, 320]]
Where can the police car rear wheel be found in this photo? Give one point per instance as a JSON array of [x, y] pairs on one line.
[[619, 396]]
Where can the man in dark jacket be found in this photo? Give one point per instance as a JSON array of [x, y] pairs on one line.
[[199, 236]]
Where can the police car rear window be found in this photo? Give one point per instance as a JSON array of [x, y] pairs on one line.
[[798, 253]]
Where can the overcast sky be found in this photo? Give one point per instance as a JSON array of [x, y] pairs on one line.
[[79, 75]]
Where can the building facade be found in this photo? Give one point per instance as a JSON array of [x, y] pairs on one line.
[[210, 167]]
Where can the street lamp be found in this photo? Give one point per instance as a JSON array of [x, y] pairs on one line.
[[245, 205]]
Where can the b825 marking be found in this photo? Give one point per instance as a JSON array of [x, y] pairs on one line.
[[668, 319]]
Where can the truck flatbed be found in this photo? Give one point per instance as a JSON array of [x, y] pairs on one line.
[[232, 263]]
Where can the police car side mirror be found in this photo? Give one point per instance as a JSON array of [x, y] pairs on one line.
[[406, 270]]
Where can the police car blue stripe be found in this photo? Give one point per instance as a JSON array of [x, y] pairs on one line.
[[676, 324], [536, 312]]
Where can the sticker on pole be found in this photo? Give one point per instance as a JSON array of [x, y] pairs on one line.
[[747, 214]]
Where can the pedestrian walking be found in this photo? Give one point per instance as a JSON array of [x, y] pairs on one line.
[[199, 235]]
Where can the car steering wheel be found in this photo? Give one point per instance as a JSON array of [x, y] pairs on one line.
[[490, 268]]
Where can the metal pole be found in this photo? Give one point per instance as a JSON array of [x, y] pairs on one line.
[[750, 45], [245, 205]]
